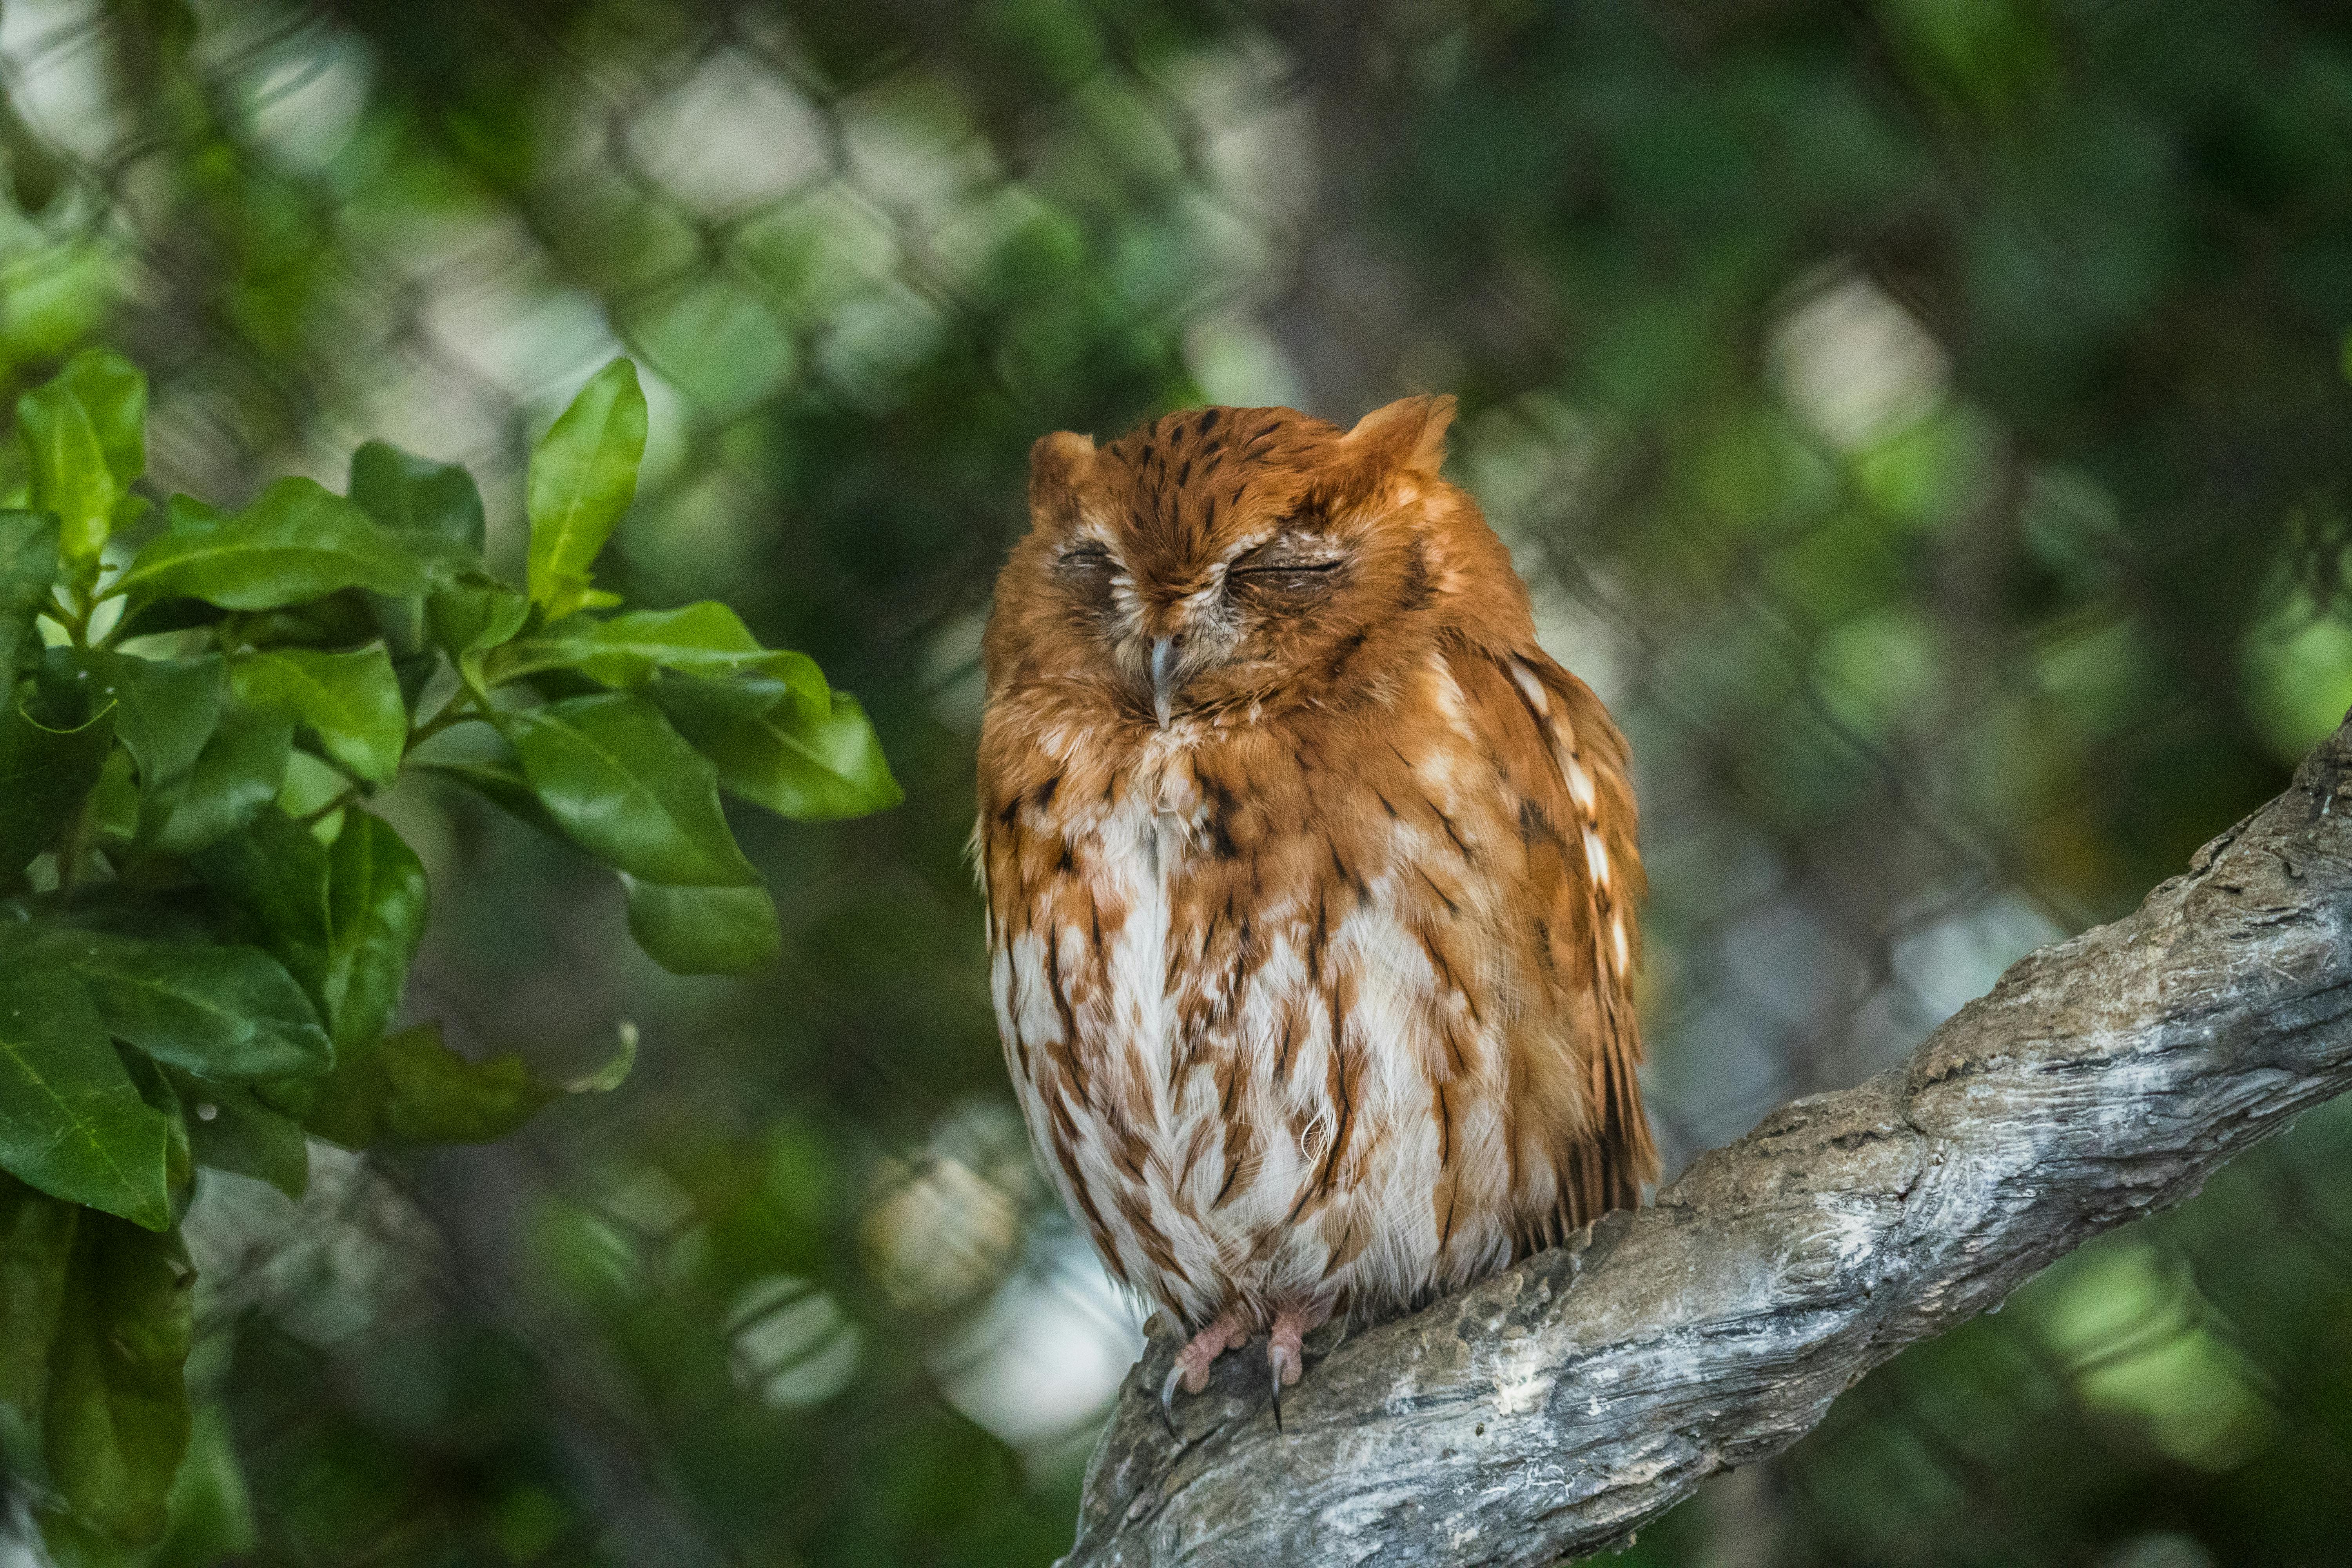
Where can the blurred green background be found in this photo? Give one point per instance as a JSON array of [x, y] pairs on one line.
[[1925, 421]]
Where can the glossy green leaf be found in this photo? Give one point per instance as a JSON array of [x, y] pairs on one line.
[[229, 1013], [70, 476], [117, 1417], [179, 1162], [352, 701], [412, 1088], [376, 903], [409, 494], [583, 477], [112, 393], [776, 751], [44, 775], [474, 611], [28, 565], [273, 874], [37, 1233], [704, 931], [296, 541], [240, 770], [71, 1121], [164, 710], [704, 640], [626, 788], [231, 1129], [345, 919]]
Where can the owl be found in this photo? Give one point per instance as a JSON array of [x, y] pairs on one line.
[[1310, 877]]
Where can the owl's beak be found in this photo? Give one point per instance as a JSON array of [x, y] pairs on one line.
[[1163, 670]]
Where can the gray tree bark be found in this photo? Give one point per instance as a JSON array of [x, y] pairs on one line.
[[1552, 1410]]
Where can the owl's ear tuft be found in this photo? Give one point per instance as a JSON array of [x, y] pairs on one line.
[[1408, 435], [1059, 465]]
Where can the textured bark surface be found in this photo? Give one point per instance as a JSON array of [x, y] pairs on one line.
[[1553, 1408]]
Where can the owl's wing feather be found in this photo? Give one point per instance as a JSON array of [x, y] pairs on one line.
[[1567, 766]]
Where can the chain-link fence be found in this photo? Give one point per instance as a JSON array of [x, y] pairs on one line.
[[1920, 422]]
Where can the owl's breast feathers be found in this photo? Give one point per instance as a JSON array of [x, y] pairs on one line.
[[1335, 1005]]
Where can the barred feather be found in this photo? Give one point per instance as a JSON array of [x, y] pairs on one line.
[[1314, 960]]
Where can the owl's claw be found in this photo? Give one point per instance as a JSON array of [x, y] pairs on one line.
[[1191, 1371], [1286, 1354]]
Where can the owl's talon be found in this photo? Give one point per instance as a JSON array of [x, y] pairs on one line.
[[1191, 1371], [1275, 1371], [1168, 1399]]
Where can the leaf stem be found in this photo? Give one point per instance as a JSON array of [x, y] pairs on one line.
[[336, 803], [457, 710]]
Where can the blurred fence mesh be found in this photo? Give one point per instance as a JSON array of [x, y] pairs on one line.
[[1921, 422]]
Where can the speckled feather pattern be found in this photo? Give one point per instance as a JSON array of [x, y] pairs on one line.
[[1313, 961]]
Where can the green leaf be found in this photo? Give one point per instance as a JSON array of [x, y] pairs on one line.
[[117, 1418], [228, 1013], [297, 541], [28, 565], [417, 495], [413, 1088], [211, 1508], [71, 1121], [774, 750], [70, 476], [240, 770], [474, 611], [351, 700], [114, 800], [376, 903], [44, 775], [179, 1164], [344, 921], [313, 784], [704, 640], [626, 788], [37, 1234], [704, 931], [166, 710], [112, 393], [583, 477], [230, 1128]]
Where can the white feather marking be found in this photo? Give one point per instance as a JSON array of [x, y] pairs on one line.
[[1596, 858], [1580, 784], [1537, 698], [1617, 940]]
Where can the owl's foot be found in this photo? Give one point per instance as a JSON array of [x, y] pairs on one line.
[[1285, 1352], [1286, 1355], [1192, 1362]]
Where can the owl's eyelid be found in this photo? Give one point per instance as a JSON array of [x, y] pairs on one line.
[[1271, 568]]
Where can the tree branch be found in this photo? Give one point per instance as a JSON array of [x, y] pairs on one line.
[[1552, 1409]]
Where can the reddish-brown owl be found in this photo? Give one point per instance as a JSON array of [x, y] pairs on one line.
[[1310, 877]]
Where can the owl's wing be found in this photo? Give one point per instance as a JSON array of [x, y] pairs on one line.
[[1565, 767]]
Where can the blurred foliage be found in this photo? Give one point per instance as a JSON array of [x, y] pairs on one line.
[[205, 933], [1925, 421]]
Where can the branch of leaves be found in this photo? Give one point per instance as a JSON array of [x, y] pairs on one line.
[[204, 933]]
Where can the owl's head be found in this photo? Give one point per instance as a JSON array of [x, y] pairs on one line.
[[1237, 561]]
